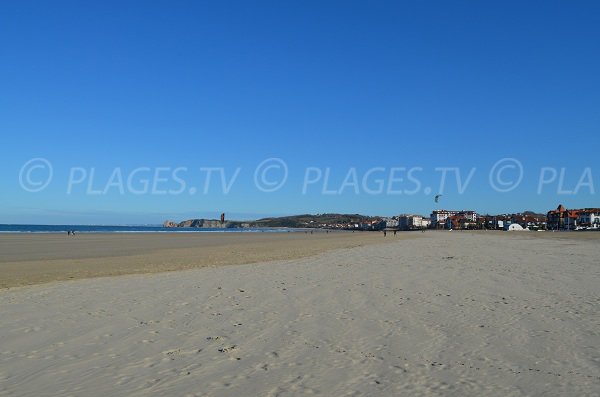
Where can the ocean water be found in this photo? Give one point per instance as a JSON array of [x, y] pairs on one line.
[[126, 229]]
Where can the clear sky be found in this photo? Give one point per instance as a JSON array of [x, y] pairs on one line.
[[327, 87]]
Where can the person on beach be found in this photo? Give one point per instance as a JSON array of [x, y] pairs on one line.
[[384, 233]]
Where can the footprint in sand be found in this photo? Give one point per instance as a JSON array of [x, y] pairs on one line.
[[228, 349]]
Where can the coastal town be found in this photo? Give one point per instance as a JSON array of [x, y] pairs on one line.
[[560, 218]]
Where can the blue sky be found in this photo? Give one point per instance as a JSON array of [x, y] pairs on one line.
[[338, 85]]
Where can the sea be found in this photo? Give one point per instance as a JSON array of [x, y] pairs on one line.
[[5, 228]]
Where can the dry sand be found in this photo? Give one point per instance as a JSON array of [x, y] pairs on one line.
[[448, 313]]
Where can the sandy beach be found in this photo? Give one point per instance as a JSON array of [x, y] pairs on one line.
[[28, 259], [437, 314]]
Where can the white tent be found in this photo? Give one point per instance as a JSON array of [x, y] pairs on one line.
[[515, 227]]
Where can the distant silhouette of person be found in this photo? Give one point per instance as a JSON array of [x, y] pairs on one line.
[[68, 232], [394, 232], [384, 233]]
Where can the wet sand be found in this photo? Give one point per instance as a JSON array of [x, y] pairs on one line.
[[27, 259]]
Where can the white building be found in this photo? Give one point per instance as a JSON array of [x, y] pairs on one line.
[[391, 223], [589, 217], [410, 222], [440, 216]]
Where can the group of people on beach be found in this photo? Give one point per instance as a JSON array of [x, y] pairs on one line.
[[70, 232]]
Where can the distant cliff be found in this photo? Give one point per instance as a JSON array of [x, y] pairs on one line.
[[334, 221], [202, 223], [329, 221]]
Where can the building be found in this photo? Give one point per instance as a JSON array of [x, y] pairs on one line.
[[492, 222], [564, 219], [391, 223], [404, 221], [460, 221], [439, 217], [589, 218], [529, 221], [412, 222]]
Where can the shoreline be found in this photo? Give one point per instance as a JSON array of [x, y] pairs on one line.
[[38, 258], [30, 259]]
